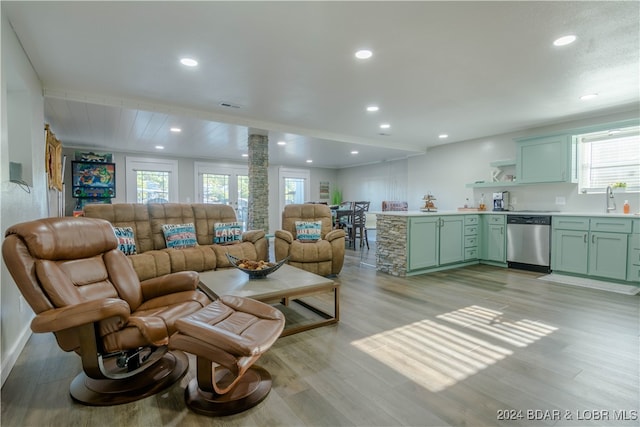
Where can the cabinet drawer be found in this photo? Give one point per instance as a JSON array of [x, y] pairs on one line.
[[470, 230], [472, 253], [471, 219], [470, 241], [496, 219], [570, 223], [611, 225]]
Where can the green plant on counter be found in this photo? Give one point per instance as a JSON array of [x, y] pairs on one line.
[[619, 185]]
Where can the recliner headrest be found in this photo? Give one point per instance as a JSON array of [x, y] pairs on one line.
[[66, 237]]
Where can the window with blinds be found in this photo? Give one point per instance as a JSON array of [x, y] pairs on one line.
[[609, 158]]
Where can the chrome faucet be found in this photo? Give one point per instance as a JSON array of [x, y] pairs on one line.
[[610, 201]]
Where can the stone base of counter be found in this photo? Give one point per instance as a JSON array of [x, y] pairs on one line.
[[391, 247]]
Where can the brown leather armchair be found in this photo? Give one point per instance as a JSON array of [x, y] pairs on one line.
[[85, 291], [324, 256]]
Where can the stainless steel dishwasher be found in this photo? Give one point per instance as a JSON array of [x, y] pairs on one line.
[[528, 242]]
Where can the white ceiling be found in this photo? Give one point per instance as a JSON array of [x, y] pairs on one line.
[[112, 78]]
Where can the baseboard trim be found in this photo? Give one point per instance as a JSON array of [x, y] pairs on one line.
[[9, 361]]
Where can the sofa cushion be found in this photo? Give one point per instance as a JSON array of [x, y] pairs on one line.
[[179, 236], [244, 250], [126, 240], [206, 215], [308, 231], [134, 215], [167, 213], [227, 232]]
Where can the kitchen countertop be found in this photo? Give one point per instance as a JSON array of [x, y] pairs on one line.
[[552, 213]]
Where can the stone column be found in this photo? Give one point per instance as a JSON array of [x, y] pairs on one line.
[[258, 208]]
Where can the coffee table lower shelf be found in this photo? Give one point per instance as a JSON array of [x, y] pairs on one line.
[[285, 286]]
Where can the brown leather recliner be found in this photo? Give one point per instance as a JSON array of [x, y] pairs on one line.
[[325, 256], [85, 291]]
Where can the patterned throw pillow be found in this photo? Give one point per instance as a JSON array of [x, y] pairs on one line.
[[180, 236], [227, 232], [308, 231], [126, 240]]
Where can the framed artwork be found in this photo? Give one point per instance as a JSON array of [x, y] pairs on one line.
[[53, 159], [91, 180], [324, 190]]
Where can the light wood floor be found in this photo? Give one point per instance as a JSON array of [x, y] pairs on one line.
[[479, 346]]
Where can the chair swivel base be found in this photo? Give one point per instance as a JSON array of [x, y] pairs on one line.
[[253, 388], [106, 392]]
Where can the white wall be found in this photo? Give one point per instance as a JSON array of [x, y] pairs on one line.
[[444, 171], [375, 182], [21, 99]]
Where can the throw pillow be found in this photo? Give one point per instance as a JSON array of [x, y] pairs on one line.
[[227, 232], [180, 236], [126, 240], [308, 231]]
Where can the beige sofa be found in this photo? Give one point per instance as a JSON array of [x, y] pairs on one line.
[[153, 258]]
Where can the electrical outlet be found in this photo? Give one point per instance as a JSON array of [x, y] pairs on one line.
[[560, 200], [514, 200]]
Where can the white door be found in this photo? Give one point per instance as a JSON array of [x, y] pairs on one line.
[[294, 186], [227, 184], [151, 180]]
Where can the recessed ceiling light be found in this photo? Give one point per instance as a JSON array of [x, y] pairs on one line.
[[588, 96], [372, 108], [189, 62], [282, 143], [354, 152], [159, 147], [364, 54], [443, 136], [176, 130], [309, 161], [565, 40], [385, 126], [245, 155]]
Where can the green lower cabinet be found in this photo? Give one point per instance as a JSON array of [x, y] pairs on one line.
[[570, 251], [435, 241], [578, 249], [608, 255], [451, 239], [423, 242], [494, 238]]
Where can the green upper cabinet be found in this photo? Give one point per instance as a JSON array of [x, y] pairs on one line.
[[546, 159]]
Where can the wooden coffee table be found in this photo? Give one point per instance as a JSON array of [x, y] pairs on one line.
[[285, 285]]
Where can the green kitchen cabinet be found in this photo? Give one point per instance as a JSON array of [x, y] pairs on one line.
[[451, 239], [633, 255], [608, 255], [435, 241], [596, 246], [494, 238], [546, 159], [570, 250], [424, 242]]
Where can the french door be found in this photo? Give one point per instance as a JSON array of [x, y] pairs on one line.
[[219, 183]]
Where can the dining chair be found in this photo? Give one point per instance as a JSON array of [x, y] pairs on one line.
[[356, 227]]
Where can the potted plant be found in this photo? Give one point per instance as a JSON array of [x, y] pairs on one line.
[[336, 197]]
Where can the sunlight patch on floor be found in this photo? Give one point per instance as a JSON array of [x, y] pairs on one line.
[[437, 356]]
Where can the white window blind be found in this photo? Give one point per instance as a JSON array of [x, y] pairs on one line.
[[608, 158]]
